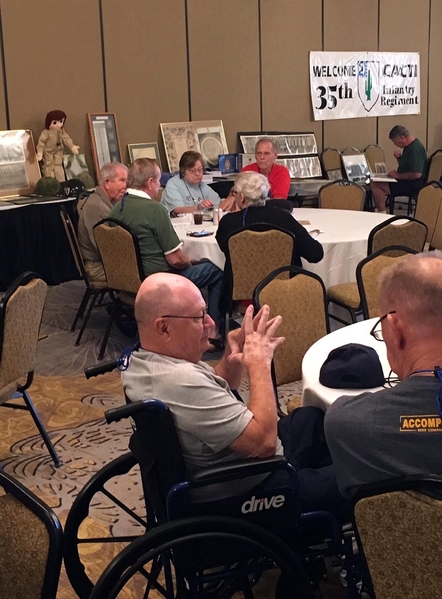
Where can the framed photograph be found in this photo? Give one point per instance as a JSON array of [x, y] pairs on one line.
[[206, 137], [105, 143], [19, 169], [147, 150], [287, 144]]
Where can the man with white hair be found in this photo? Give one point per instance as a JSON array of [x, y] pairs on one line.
[[112, 182], [213, 426], [277, 175], [395, 432]]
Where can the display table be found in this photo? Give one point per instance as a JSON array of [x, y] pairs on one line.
[[315, 394], [32, 238], [343, 236]]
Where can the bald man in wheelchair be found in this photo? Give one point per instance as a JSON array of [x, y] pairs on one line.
[[214, 425]]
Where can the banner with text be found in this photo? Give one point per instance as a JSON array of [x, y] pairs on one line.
[[347, 85]]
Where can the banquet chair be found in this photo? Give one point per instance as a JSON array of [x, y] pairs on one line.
[[351, 151], [252, 253], [428, 207], [21, 310], [398, 532], [94, 289], [302, 326], [375, 156], [332, 163], [342, 195], [31, 544], [120, 253], [411, 234], [435, 166], [367, 276]]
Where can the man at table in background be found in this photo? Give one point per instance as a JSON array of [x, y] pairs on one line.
[[160, 246], [410, 173], [277, 175], [395, 432], [215, 428], [112, 182]]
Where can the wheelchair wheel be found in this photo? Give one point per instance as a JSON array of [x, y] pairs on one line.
[[102, 522], [205, 557]]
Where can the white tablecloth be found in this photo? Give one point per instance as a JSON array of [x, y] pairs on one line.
[[344, 235], [315, 394]]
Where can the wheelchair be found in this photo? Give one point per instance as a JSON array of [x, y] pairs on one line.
[[187, 547]]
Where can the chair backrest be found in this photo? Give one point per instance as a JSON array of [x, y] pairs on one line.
[[120, 253], [367, 276], [412, 233], [342, 195], [73, 243], [375, 156], [435, 166], [301, 301], [351, 151], [332, 163], [428, 207], [21, 310], [254, 252], [31, 544], [400, 537]]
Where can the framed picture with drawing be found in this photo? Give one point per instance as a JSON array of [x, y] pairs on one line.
[[105, 143], [145, 150]]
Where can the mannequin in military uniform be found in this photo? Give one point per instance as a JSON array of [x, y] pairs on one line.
[[50, 145]]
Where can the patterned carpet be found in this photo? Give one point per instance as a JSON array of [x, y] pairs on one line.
[[72, 409]]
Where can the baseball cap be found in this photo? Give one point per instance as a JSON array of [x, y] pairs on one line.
[[352, 366]]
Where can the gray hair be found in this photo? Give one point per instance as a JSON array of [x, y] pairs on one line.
[[398, 131], [109, 171], [140, 171], [254, 186], [266, 140], [413, 285]]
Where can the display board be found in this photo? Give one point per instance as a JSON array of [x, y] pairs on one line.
[[19, 169], [105, 143]]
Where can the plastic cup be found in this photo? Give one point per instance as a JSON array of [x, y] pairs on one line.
[[198, 218]]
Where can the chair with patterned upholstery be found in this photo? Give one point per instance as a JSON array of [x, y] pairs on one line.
[[252, 253], [120, 253], [342, 195], [429, 202], [435, 166], [332, 163], [397, 526], [412, 234], [351, 151], [31, 544], [302, 326], [375, 156], [21, 311], [367, 276], [94, 289]]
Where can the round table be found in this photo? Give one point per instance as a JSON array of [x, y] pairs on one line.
[[343, 236], [315, 394]]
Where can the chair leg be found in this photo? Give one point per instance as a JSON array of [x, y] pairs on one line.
[[81, 308], [86, 319], [41, 429], [108, 330]]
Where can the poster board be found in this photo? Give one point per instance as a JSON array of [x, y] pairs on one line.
[[144, 150], [205, 137], [19, 168], [105, 143]]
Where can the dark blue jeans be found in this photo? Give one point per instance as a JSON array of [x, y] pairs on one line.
[[206, 274]]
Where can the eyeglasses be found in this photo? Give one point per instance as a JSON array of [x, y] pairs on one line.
[[195, 318], [195, 171], [376, 331]]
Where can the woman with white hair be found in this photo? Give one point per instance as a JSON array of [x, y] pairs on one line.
[[251, 191]]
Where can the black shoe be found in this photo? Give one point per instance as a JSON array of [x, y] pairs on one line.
[[126, 323]]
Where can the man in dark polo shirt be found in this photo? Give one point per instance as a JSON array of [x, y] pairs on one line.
[[410, 173], [159, 244]]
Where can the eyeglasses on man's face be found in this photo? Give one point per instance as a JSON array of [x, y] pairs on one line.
[[376, 331], [201, 318], [196, 171]]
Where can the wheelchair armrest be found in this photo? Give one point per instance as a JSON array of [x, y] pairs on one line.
[[239, 469]]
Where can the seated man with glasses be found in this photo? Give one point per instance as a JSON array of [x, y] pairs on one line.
[[186, 192], [394, 432], [213, 425]]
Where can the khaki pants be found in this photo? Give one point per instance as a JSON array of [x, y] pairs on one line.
[[95, 271]]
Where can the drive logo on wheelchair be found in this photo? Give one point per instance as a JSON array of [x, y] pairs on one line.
[[265, 503]]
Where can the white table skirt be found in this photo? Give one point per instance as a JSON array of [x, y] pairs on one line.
[[343, 236], [315, 394]]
